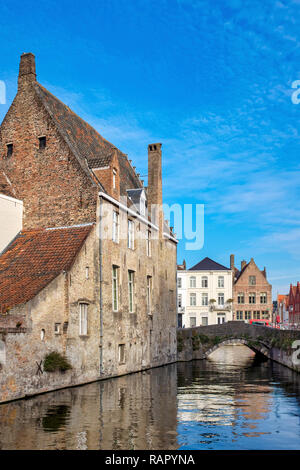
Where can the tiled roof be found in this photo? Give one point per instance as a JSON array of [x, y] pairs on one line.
[[88, 146], [34, 258], [6, 187], [208, 264]]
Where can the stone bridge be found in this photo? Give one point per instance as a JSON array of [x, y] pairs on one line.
[[274, 344]]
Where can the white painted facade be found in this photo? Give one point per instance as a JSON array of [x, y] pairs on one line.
[[196, 292], [11, 213]]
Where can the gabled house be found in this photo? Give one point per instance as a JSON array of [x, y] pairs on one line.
[[294, 304], [252, 293], [67, 174]]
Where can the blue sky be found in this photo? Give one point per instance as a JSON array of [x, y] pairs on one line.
[[211, 80]]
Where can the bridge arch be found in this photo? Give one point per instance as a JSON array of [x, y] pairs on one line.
[[254, 345]]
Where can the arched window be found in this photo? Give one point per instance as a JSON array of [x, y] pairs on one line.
[[204, 281], [192, 281]]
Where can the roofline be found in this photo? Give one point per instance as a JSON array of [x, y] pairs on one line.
[[135, 214], [10, 198]]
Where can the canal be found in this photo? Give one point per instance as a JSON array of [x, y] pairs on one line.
[[230, 401]]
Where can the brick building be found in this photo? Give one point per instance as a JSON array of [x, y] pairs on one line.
[[252, 293], [68, 175], [293, 304]]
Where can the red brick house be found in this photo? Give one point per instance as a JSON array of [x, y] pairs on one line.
[[294, 304]]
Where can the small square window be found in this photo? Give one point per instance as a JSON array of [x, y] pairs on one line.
[[57, 328], [10, 148], [42, 141]]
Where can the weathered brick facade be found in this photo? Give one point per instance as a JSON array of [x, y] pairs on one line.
[[67, 174]]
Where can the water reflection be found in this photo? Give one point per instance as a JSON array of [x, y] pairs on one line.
[[231, 401]]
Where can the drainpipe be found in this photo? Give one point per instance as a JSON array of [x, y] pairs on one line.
[[101, 283]]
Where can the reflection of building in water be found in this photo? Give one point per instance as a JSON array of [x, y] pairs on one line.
[[130, 412], [222, 394]]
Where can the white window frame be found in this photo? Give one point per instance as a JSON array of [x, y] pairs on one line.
[[204, 280], [114, 179], [204, 299], [148, 242], [149, 294], [193, 282], [179, 300], [131, 290], [115, 288], [83, 319], [130, 234], [115, 228], [193, 302], [221, 281], [179, 282], [221, 304], [194, 318]]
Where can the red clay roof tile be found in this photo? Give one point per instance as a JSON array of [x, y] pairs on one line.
[[34, 258]]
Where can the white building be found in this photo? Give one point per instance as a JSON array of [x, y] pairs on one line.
[[204, 294], [11, 212]]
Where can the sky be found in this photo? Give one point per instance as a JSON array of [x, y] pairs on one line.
[[210, 80]]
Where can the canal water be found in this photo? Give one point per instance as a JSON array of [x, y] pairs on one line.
[[230, 401]]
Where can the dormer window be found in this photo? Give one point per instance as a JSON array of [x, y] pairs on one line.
[[42, 141], [10, 149]]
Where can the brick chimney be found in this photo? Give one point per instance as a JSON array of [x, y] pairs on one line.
[[232, 262], [154, 191], [243, 264], [27, 73]]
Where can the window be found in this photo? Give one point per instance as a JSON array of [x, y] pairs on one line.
[[142, 206], [221, 299], [57, 328], [130, 234], [252, 298], [115, 232], [192, 281], [87, 272], [256, 315], [204, 299], [130, 289], [121, 353], [192, 322], [265, 314], [179, 300], [115, 288], [241, 298], [221, 281], [221, 320], [204, 321], [10, 149], [247, 315], [83, 319], [193, 300], [179, 282], [42, 335], [42, 141], [204, 281], [263, 298], [149, 293], [114, 179], [148, 243], [252, 280], [239, 315]]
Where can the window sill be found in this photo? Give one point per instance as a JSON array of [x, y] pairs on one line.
[[84, 336]]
